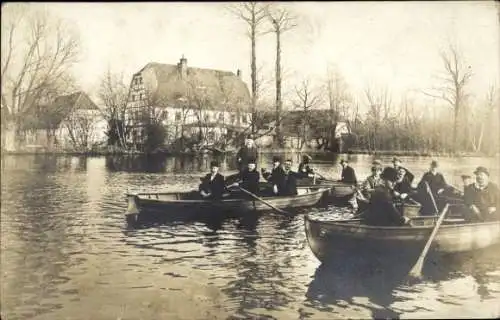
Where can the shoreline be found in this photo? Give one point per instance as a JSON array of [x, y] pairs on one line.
[[410, 153]]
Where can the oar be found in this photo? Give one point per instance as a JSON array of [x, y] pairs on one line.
[[262, 200], [416, 271], [432, 196]]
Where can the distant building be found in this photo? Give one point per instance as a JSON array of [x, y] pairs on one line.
[[70, 122], [188, 101]]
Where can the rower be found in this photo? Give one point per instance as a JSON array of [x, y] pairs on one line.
[[437, 186], [212, 185], [248, 178], [305, 170], [482, 197], [381, 209], [276, 176], [348, 175], [396, 162]]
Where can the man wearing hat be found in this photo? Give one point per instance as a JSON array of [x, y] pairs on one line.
[[305, 170], [482, 196], [348, 175], [249, 178], [437, 185], [212, 185], [248, 152], [408, 175], [373, 181], [381, 209], [276, 177]]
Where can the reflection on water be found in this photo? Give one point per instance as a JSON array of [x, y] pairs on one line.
[[67, 252]]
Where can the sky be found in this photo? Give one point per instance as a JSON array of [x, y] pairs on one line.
[[377, 44]]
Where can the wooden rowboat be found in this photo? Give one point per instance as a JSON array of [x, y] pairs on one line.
[[331, 240], [338, 190], [186, 204]]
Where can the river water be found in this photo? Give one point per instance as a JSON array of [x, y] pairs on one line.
[[68, 253]]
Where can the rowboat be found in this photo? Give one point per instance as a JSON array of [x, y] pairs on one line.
[[187, 204], [339, 191], [331, 240]]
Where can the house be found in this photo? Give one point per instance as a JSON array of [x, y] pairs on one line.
[[70, 122], [188, 101]]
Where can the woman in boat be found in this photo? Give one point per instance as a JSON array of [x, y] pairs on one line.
[[381, 209], [212, 185], [249, 178], [305, 170], [482, 197]]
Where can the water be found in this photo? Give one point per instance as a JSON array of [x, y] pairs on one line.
[[67, 252]]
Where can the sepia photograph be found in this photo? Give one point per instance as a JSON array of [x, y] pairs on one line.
[[250, 160]]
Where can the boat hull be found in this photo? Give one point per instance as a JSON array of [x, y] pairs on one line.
[[173, 204], [330, 240]]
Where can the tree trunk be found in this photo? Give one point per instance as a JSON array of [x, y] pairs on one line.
[[278, 90], [254, 75]]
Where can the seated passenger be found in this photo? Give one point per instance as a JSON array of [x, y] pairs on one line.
[[289, 185], [212, 185], [249, 178], [381, 210], [402, 186], [481, 197], [373, 181], [276, 176], [348, 175]]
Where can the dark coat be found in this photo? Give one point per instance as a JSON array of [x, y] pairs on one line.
[[482, 199], [435, 181], [348, 175], [216, 186], [289, 186], [244, 155], [304, 170], [250, 180], [403, 186], [381, 209]]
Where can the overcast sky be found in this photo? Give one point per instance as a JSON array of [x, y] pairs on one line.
[[393, 44]]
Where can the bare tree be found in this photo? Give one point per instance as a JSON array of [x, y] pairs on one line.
[[454, 80], [113, 93], [379, 113], [37, 52], [483, 116], [282, 20], [80, 127], [253, 14], [307, 99]]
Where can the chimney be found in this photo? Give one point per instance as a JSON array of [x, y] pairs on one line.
[[238, 73], [182, 65]]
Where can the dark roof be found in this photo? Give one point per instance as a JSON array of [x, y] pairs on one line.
[[51, 115], [219, 85]]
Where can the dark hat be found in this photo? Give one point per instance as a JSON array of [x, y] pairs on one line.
[[251, 136], [482, 169], [276, 159], [396, 159], [390, 174], [434, 164], [344, 161], [251, 160], [288, 160], [214, 163]]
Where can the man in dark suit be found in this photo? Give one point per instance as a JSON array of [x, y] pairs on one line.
[[212, 185], [408, 175], [248, 152], [249, 178], [348, 175], [381, 209], [276, 177], [482, 197], [289, 186]]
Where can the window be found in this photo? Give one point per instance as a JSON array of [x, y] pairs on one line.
[[221, 116], [233, 118], [244, 118], [141, 96], [207, 117], [178, 116], [133, 97]]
